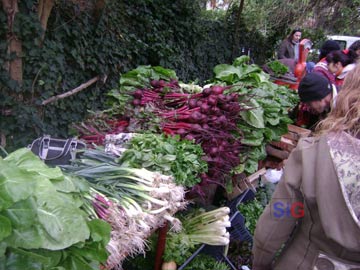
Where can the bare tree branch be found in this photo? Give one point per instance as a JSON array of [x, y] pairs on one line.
[[71, 92]]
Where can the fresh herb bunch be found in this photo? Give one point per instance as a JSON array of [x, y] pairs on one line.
[[251, 210], [166, 154], [178, 248]]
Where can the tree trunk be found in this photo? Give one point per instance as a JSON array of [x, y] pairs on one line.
[[44, 10], [237, 28], [98, 9], [14, 66]]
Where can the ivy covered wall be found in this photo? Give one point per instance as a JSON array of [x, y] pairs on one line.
[[82, 42]]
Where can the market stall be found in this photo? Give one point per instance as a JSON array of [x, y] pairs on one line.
[[157, 160]]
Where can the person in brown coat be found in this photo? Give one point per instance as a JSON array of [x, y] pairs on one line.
[[289, 47], [313, 219]]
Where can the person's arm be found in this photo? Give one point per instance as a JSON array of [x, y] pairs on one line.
[[276, 224]]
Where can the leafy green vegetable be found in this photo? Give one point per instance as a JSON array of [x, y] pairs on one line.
[[178, 249], [206, 262], [42, 225], [15, 184], [5, 228], [251, 210], [168, 155], [278, 68], [268, 104], [254, 116]]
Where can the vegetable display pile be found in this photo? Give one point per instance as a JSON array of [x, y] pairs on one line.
[[208, 118], [232, 118], [134, 201], [101, 209], [91, 214], [270, 103]]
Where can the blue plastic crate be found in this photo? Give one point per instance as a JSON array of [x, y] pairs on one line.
[[217, 252], [247, 195], [238, 231]]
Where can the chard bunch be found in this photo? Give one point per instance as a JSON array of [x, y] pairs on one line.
[[134, 202], [208, 227], [198, 228]]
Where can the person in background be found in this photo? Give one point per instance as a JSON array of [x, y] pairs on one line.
[[320, 229], [327, 47], [321, 67], [317, 95], [305, 115], [289, 48], [340, 63], [355, 47]]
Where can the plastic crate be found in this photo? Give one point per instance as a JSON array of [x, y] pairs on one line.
[[238, 231], [247, 195], [217, 252]]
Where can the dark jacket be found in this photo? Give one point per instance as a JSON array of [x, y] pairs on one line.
[[286, 50], [323, 174]]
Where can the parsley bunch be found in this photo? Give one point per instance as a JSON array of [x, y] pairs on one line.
[[182, 159]]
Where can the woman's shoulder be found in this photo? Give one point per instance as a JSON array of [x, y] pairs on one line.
[[335, 140], [308, 142], [312, 144]]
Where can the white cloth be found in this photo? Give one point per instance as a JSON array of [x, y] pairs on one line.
[[334, 94]]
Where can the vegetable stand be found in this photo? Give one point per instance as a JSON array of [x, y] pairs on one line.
[[212, 117], [184, 139]]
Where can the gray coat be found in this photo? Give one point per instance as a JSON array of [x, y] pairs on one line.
[[323, 174]]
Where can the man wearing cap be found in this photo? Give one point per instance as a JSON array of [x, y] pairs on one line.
[[318, 95]]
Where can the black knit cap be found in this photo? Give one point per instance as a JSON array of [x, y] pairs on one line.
[[329, 46], [313, 87]]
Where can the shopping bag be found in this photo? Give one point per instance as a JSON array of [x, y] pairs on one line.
[[56, 151]]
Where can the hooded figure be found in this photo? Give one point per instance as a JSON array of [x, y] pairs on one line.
[[313, 218]]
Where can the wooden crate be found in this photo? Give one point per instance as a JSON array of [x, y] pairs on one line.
[[296, 133], [249, 182], [281, 149], [284, 144]]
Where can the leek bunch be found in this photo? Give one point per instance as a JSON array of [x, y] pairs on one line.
[[134, 202]]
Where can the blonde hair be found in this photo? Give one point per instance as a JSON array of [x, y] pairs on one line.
[[345, 116]]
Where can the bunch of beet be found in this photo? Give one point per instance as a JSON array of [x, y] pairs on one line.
[[94, 129], [209, 118]]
